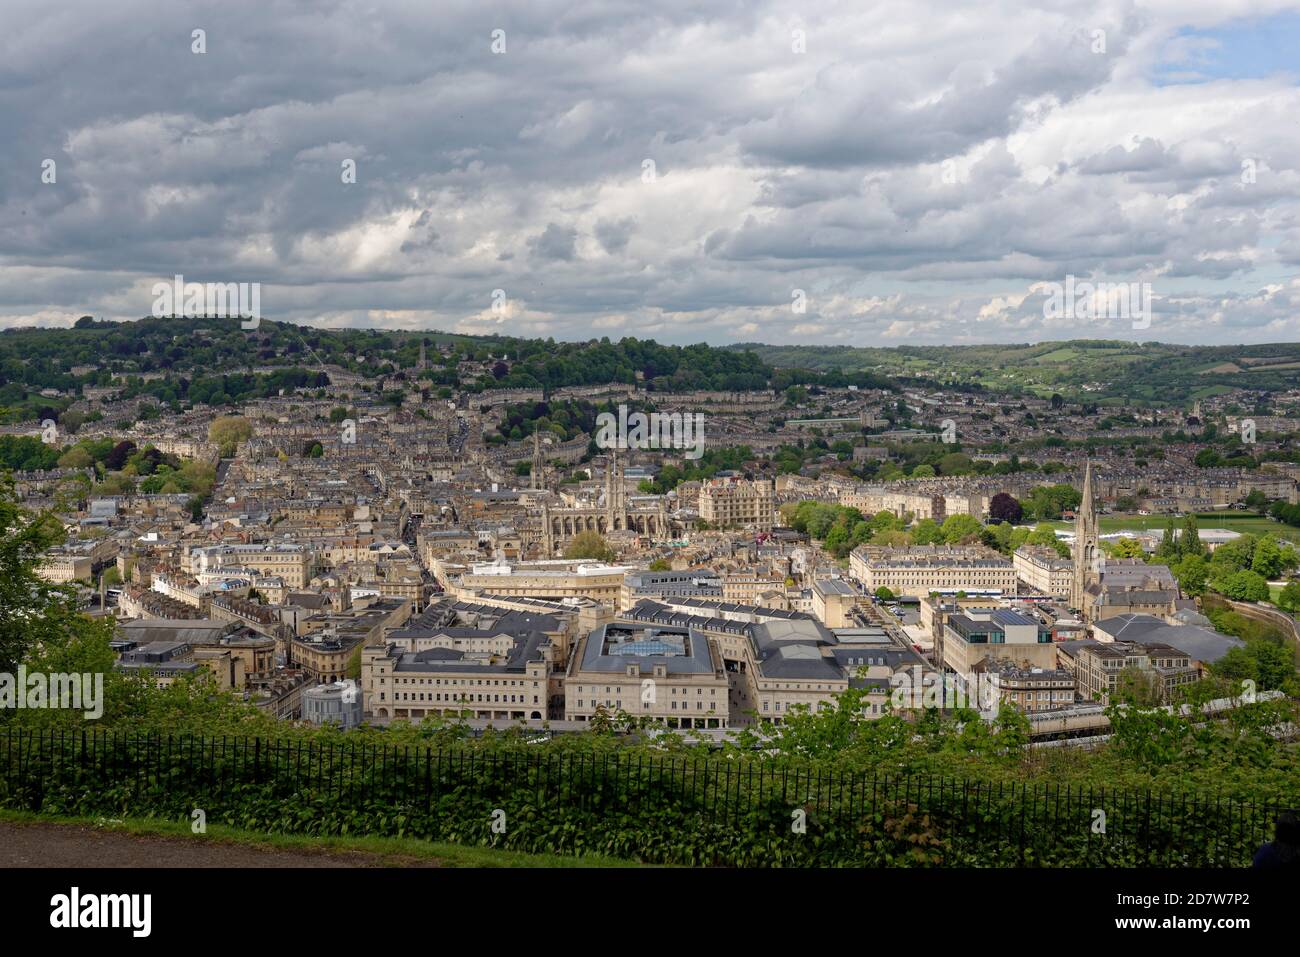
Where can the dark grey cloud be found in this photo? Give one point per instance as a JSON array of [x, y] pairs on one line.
[[643, 169], [614, 234], [557, 242]]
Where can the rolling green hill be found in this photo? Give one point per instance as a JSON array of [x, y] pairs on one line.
[[1150, 373], [179, 360]]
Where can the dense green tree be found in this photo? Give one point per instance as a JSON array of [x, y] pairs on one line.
[[1047, 502], [26, 453], [36, 616], [1168, 547], [1268, 557], [227, 431], [1044, 534], [1192, 573], [590, 545], [1124, 548], [1190, 541], [927, 532], [1232, 556], [959, 528], [1244, 586], [76, 457], [1268, 664]]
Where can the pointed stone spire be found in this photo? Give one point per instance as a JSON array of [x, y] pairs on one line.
[[1086, 507], [1087, 553]]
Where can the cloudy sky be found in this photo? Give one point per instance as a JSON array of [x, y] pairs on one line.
[[801, 172]]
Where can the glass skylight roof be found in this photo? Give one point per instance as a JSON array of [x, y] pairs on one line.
[[659, 647]]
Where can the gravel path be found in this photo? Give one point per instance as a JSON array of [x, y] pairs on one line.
[[70, 845]]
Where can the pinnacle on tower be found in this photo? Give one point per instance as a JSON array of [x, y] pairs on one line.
[[535, 478], [1086, 506], [1086, 545]]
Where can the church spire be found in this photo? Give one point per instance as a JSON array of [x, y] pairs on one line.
[[1087, 566], [1086, 506]]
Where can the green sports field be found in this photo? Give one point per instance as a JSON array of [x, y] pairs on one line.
[[1233, 521]]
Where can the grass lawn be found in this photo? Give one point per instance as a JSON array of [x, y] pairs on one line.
[[1234, 521], [1208, 391], [393, 849], [1059, 355]]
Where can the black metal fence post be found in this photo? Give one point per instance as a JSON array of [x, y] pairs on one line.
[[605, 798]]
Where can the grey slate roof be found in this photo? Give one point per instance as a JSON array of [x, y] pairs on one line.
[[191, 631], [527, 648], [697, 660], [1202, 644]]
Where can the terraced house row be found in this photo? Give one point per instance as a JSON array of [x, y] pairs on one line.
[[920, 570]]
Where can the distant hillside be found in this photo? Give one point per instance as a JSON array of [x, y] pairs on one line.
[[1148, 373], [214, 361]]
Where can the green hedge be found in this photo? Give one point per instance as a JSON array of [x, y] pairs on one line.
[[671, 810]]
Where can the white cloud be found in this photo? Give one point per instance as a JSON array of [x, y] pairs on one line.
[[915, 171]]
